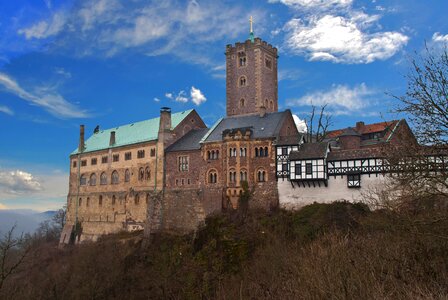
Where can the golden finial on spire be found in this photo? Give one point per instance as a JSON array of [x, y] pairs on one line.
[[251, 20]]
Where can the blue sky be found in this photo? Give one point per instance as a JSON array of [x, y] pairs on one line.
[[110, 62]]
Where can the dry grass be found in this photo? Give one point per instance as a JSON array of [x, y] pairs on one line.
[[333, 251]]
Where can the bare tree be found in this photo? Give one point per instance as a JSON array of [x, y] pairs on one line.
[[323, 123], [12, 254], [426, 98]]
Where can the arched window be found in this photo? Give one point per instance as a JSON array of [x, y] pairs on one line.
[[127, 175], [103, 178], [212, 177], [100, 200], [243, 152], [266, 103], [147, 198], [137, 199], [217, 154], [92, 179], [261, 175], [242, 81], [271, 104], [80, 202], [242, 59], [113, 199], [232, 176], [141, 174], [243, 175], [147, 173], [266, 153], [83, 180], [88, 202], [209, 155], [114, 177], [261, 152], [242, 102]]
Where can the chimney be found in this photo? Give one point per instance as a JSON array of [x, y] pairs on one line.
[[112, 138], [81, 145], [165, 119], [262, 111], [359, 126]]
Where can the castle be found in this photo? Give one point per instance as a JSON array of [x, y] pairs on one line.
[[171, 172]]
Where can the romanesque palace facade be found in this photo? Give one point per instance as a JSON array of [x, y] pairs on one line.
[[171, 171]]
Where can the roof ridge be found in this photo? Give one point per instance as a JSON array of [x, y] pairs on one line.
[[146, 120], [211, 130]]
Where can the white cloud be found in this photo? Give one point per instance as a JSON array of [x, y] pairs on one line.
[[313, 3], [300, 124], [47, 98], [45, 29], [63, 72], [156, 99], [342, 39], [181, 28], [169, 96], [18, 182], [181, 97], [43, 190], [439, 38], [196, 96], [341, 99], [6, 110]]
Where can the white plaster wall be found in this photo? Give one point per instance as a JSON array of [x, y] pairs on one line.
[[297, 197]]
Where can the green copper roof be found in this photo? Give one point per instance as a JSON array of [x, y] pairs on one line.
[[252, 37], [128, 134]]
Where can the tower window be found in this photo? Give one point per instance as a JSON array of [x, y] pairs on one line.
[[116, 157], [241, 59], [140, 153], [242, 81], [268, 62], [128, 156], [242, 102]]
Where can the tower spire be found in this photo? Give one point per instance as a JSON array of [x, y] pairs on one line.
[[251, 33]]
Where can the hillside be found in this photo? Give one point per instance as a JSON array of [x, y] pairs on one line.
[[324, 251], [26, 220]]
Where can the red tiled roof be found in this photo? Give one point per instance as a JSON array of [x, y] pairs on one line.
[[368, 128]]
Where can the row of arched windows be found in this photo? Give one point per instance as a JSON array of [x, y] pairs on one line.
[[213, 154], [113, 200], [143, 174], [261, 152], [212, 176]]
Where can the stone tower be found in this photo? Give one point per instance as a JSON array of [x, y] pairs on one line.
[[251, 77]]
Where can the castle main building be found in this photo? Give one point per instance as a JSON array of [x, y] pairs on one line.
[[170, 172]]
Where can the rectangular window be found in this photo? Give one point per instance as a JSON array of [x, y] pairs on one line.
[[309, 169], [104, 160], [153, 152], [354, 180], [298, 169], [128, 156], [83, 163], [140, 153], [285, 167], [74, 164], [183, 163], [268, 62], [116, 157], [93, 161], [284, 151]]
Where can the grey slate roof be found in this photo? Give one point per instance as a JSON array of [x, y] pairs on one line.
[[290, 140], [349, 132], [190, 141], [309, 151], [262, 127]]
